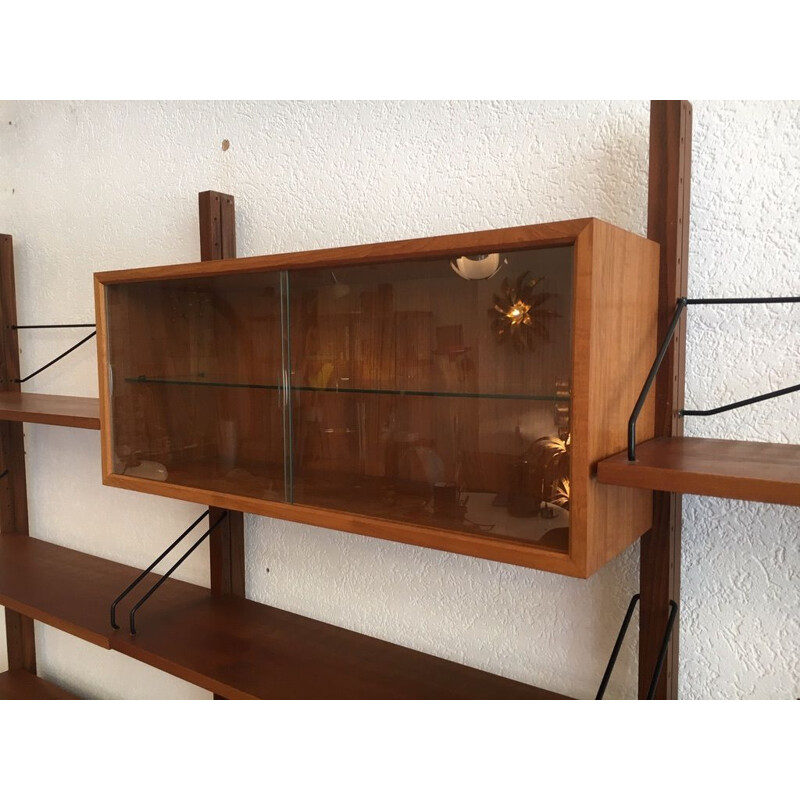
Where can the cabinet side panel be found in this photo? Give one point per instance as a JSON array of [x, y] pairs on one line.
[[622, 348]]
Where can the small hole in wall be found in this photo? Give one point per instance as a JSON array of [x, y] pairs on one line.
[[225, 144]]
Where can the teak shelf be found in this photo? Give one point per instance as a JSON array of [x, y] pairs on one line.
[[19, 684], [757, 471], [369, 389], [237, 648], [50, 409]]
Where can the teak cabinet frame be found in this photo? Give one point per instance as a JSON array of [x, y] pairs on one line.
[[614, 318]]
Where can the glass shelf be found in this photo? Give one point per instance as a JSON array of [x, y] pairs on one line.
[[201, 381]]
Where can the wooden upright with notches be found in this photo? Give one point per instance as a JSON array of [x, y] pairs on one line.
[[13, 486], [226, 547], [667, 224], [218, 240]]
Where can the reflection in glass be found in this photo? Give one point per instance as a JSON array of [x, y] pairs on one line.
[[195, 374], [399, 391], [422, 413]]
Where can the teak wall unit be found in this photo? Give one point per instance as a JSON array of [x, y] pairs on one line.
[[71, 590], [372, 389]]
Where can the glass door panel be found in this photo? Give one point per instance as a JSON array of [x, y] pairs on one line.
[[197, 382], [427, 397]]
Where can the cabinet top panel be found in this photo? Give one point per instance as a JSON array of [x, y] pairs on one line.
[[550, 234]]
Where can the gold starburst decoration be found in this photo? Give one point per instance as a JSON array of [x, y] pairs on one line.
[[516, 314]]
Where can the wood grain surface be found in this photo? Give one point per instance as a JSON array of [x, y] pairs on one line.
[[50, 409], [19, 684], [20, 640], [757, 471], [231, 646], [614, 343], [668, 206]]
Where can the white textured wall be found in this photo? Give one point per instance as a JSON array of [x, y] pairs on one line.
[[90, 186]]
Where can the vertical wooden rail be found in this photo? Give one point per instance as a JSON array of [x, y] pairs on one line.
[[13, 487], [667, 224], [218, 240]]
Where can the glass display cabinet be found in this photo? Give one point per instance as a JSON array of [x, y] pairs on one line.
[[453, 392]]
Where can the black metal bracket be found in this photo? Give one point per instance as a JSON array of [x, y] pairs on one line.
[[662, 653], [617, 645], [65, 353], [739, 404], [166, 575], [682, 303]]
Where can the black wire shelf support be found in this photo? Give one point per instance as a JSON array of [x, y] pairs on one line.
[[662, 653], [57, 358], [149, 569], [682, 304], [617, 646], [160, 582], [169, 572], [739, 404]]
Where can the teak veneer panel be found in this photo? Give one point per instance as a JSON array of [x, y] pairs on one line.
[[19, 684], [614, 343], [51, 409], [228, 645], [757, 471]]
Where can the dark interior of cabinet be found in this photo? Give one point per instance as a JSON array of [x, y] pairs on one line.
[[402, 403]]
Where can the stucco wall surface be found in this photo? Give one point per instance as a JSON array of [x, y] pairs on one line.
[[95, 186]]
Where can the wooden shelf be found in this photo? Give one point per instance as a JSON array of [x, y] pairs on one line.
[[234, 647], [18, 684], [50, 409], [756, 471], [60, 587]]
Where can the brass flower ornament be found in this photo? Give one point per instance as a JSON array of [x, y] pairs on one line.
[[517, 315]]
